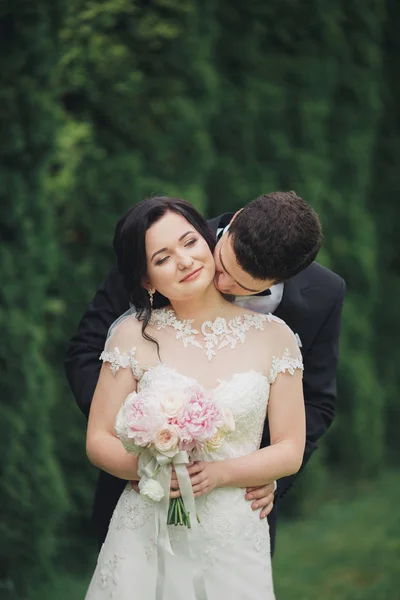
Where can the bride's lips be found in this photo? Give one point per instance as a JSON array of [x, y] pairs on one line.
[[192, 275]]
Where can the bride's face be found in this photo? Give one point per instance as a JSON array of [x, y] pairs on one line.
[[180, 264]]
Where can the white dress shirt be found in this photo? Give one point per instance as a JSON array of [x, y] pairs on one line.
[[262, 304]]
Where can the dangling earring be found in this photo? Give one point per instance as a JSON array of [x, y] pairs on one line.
[[151, 294]]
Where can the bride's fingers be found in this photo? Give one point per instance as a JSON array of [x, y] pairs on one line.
[[201, 491], [174, 493], [174, 481], [195, 468], [200, 488], [198, 479]]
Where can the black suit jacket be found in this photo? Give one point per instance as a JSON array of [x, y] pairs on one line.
[[311, 305]]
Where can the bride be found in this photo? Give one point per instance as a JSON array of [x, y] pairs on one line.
[[249, 362]]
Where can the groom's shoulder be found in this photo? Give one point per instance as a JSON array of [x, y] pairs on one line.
[[318, 276], [220, 221]]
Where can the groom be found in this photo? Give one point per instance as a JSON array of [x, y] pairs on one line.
[[264, 260]]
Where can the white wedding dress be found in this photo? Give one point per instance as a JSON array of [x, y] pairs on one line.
[[234, 560]]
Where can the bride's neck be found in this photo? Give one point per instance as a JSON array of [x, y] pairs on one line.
[[206, 307]]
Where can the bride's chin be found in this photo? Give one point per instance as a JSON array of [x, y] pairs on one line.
[[196, 290]]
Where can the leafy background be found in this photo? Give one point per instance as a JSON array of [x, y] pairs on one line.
[[103, 102]]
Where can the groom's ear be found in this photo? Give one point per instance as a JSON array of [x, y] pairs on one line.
[[236, 214]]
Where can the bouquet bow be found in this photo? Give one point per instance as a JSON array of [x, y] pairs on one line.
[[157, 467]]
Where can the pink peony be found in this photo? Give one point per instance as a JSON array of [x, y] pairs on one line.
[[200, 419], [144, 419]]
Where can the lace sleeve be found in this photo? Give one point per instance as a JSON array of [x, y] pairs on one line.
[[120, 348], [286, 363], [286, 354], [122, 360]]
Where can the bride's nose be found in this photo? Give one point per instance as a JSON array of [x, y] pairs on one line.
[[184, 261]]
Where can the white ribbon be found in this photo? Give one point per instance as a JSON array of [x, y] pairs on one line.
[[159, 467]]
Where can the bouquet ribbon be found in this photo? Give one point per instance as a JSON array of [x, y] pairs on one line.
[[158, 466]]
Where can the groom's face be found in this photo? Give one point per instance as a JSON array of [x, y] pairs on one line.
[[230, 278]]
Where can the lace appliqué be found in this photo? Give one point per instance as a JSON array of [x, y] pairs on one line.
[[285, 363], [217, 334], [220, 531], [184, 330], [133, 511], [122, 360], [107, 573]]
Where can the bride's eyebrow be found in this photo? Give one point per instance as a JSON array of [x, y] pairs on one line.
[[165, 249]]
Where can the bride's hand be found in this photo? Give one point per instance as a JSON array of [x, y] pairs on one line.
[[205, 477]]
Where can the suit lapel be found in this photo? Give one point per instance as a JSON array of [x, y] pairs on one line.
[[292, 306], [220, 222]]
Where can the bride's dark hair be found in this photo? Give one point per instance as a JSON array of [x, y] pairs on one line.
[[130, 245]]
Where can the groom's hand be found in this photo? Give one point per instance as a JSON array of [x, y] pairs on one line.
[[261, 497]]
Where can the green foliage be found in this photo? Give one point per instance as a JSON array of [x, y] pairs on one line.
[[32, 495], [344, 551], [384, 207]]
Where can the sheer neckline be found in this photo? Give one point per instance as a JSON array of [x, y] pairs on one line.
[[167, 316], [221, 382], [216, 335]]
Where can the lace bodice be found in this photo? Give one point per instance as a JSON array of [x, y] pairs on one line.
[[212, 352], [244, 391], [245, 394]]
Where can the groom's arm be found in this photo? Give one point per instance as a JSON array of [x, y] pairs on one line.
[[319, 383], [82, 364]]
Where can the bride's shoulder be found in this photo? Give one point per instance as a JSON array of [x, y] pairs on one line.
[[272, 326], [268, 318], [125, 331]]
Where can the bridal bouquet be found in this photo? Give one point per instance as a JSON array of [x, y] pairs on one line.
[[163, 425]]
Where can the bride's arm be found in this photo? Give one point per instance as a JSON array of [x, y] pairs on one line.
[[286, 417], [103, 448]]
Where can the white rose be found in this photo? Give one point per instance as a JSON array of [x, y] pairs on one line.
[[173, 403], [166, 441], [229, 422], [150, 488], [215, 442]]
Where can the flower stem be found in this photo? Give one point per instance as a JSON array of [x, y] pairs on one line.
[[177, 513]]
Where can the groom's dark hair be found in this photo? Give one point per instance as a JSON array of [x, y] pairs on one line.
[[276, 236]]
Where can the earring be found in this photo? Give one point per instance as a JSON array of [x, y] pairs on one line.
[[151, 294]]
